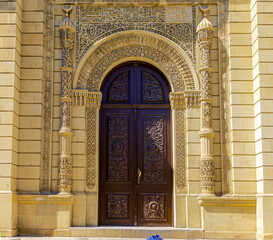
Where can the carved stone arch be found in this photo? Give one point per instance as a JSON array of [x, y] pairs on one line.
[[151, 48], [136, 45]]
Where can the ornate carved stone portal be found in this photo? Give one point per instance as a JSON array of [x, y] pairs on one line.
[[168, 45], [204, 35], [67, 33]]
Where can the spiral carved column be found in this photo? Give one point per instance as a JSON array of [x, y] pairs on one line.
[[67, 34], [204, 35]]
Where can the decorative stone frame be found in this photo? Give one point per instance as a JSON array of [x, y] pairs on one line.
[[136, 46]]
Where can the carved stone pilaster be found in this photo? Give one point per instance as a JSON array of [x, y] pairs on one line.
[[67, 34], [93, 103], [204, 36], [45, 178], [177, 100]]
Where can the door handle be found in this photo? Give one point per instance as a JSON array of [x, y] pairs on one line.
[[138, 175]]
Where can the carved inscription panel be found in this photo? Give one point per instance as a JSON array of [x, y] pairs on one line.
[[176, 22]]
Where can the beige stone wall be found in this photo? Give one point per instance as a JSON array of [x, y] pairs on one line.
[[10, 64], [30, 132], [262, 62], [241, 99]]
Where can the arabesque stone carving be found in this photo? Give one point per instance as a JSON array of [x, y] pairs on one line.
[[67, 33], [45, 181], [136, 44], [175, 22], [91, 101], [93, 106], [204, 36]]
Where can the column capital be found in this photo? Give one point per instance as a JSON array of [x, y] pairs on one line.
[[67, 29], [192, 99], [177, 100], [85, 98], [204, 33], [186, 99]]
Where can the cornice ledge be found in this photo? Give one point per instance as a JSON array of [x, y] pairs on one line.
[[45, 199], [244, 201]]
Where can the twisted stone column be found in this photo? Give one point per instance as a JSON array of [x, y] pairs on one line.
[[67, 33], [204, 35]]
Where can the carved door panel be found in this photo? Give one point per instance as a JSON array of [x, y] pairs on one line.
[[134, 138], [155, 183], [117, 175]]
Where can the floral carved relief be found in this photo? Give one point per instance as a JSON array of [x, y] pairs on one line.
[[119, 88], [180, 149], [45, 185], [151, 89], [154, 148], [136, 45], [174, 22], [117, 165], [91, 148]]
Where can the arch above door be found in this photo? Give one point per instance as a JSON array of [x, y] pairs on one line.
[[136, 45]]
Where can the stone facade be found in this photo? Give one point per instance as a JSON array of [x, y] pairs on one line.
[[217, 58]]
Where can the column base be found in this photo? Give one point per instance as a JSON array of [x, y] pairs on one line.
[[8, 213]]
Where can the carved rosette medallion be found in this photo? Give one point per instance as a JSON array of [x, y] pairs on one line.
[[204, 36], [67, 33], [154, 206], [178, 106]]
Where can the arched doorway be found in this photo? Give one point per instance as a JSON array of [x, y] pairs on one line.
[[135, 184]]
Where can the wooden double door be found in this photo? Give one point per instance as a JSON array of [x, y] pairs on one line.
[[135, 148]]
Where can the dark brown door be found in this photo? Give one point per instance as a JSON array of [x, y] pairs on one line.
[[135, 150]]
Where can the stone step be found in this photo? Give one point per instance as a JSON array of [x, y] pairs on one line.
[[136, 232], [79, 238]]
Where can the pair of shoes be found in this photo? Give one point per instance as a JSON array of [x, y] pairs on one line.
[[157, 237]]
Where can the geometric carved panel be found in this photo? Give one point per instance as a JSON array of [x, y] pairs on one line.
[[117, 206], [154, 206]]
